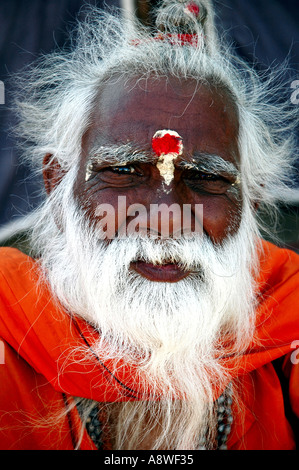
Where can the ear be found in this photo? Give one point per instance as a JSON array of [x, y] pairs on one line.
[[52, 173]]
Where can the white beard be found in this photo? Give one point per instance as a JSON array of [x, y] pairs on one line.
[[170, 330]]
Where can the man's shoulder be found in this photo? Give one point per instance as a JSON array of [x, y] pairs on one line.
[[278, 297], [10, 257], [15, 267], [278, 264], [19, 285], [280, 252]]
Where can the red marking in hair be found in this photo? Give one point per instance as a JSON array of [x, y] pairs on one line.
[[166, 144], [181, 39], [193, 8]]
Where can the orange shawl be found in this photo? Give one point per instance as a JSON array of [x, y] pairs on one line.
[[38, 373]]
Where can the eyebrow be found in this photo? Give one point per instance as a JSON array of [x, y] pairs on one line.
[[211, 163], [114, 155], [123, 154]]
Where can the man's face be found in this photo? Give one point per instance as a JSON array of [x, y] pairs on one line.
[[128, 116], [161, 305]]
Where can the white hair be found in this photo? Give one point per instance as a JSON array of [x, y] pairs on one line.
[[57, 96], [55, 106], [173, 333]]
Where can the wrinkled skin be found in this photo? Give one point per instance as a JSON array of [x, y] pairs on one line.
[[207, 121]]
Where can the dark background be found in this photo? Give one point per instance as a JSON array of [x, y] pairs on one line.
[[264, 32]]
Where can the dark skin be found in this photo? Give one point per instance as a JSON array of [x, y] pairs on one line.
[[207, 121], [208, 124]]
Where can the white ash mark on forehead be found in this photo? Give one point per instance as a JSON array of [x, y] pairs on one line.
[[165, 163]]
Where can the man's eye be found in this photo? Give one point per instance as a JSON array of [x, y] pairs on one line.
[[123, 170], [202, 176], [120, 174], [205, 177], [207, 182]]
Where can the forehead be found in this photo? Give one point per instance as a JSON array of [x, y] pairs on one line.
[[204, 116]]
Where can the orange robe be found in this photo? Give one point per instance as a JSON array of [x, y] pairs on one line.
[[42, 365]]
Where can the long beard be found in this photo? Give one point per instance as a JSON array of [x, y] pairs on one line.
[[171, 331]]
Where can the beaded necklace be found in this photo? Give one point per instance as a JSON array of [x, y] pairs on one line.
[[223, 404]]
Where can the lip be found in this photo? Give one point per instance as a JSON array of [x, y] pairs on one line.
[[168, 272]]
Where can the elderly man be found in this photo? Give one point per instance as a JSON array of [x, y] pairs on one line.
[[150, 315]]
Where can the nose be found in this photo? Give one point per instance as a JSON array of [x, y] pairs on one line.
[[166, 216]]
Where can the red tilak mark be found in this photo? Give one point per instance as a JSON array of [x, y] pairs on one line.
[[193, 8], [166, 144], [173, 39]]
